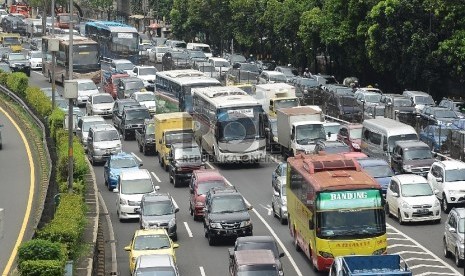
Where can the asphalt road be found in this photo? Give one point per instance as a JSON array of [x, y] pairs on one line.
[[419, 243], [14, 187]]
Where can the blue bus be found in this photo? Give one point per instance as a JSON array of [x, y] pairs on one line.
[[116, 40]]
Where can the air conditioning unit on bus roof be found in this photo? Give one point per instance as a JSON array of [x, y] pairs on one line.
[[313, 166]]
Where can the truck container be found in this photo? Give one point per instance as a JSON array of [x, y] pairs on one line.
[[386, 265], [273, 96], [299, 128], [171, 128]]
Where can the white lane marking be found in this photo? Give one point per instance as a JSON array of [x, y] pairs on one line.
[[273, 233], [202, 271], [210, 165], [424, 249], [174, 203], [189, 232], [267, 208], [137, 157], [434, 273], [156, 177], [420, 259]]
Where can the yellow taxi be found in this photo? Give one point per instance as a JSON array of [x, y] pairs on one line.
[[150, 241]]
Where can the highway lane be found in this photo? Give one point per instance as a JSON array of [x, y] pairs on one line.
[[254, 183], [16, 190]]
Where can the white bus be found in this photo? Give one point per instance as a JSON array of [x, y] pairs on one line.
[[178, 84], [229, 124]]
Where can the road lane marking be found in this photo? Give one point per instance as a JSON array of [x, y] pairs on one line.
[[156, 177], [137, 157], [174, 203], [273, 233], [189, 232], [210, 165], [267, 208], [18, 242], [202, 271]]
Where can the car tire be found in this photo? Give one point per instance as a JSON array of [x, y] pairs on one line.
[[125, 135], [144, 150], [273, 210], [399, 217], [281, 219], [175, 237], [171, 178], [211, 240], [444, 205], [457, 260], [386, 209], [447, 253], [175, 181]]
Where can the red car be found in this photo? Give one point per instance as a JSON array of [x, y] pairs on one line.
[[201, 182], [351, 134], [109, 82]]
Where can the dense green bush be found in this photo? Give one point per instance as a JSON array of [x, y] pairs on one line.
[[68, 223], [18, 83], [56, 122], [42, 267], [39, 249], [38, 101], [4, 77], [80, 166]]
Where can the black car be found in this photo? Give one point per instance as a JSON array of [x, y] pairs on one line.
[[173, 59], [183, 159], [126, 86], [308, 90], [18, 62], [118, 107], [132, 119], [226, 215], [344, 107], [13, 24]]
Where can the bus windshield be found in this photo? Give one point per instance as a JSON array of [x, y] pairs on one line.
[[85, 54], [11, 41], [125, 41], [238, 123]]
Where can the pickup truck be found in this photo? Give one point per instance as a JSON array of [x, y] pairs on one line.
[[145, 137], [373, 265]]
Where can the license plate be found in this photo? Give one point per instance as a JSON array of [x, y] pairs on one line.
[[423, 211]]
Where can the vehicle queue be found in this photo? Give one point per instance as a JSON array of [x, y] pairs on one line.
[[406, 180]]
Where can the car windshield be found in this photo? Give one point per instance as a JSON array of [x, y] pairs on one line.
[[35, 54], [285, 103], [402, 102], [102, 99], [206, 68], [179, 55], [187, 154], [146, 97], [375, 98], [147, 71], [462, 225], [124, 66], [237, 58], [87, 86], [204, 187], [416, 189], [138, 114], [348, 101], [121, 163], [426, 100], [333, 129], [228, 204], [86, 125], [158, 208], [108, 135], [137, 186], [402, 137], [445, 114], [286, 71], [249, 67], [155, 271], [152, 242], [455, 175], [309, 82], [221, 64], [355, 133], [134, 85], [269, 245], [417, 153], [307, 134], [197, 54], [379, 171], [17, 57]]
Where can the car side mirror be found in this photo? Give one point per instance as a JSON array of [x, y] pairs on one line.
[[176, 210], [175, 245], [250, 207], [231, 252], [452, 229], [267, 129], [115, 190], [395, 194], [436, 191], [282, 254], [127, 248]]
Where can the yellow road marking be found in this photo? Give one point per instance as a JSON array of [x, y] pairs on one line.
[[30, 197]]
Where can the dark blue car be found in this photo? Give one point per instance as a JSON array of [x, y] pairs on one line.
[[435, 136], [379, 169], [115, 165]]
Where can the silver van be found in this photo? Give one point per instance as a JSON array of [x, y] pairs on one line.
[[379, 136], [102, 141]]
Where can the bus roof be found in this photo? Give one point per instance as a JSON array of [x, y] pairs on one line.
[[112, 26], [195, 80], [225, 96], [181, 73], [332, 172]]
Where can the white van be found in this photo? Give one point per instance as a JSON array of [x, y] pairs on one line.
[[266, 95], [221, 65], [379, 136], [205, 48], [132, 186]]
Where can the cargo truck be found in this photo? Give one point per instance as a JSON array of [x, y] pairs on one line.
[[273, 96], [171, 128], [386, 265], [299, 128]]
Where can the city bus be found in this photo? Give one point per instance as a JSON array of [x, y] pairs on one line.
[[177, 84], [86, 62], [116, 40], [228, 124], [334, 209]]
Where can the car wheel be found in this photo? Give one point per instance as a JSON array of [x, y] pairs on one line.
[[170, 177], [281, 219], [274, 212], [445, 206], [144, 150], [447, 253], [457, 260], [1, 146], [191, 211], [386, 209], [175, 181], [175, 237], [399, 217], [211, 240]]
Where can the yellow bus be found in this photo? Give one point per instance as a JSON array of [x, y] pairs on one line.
[[12, 41], [334, 209]]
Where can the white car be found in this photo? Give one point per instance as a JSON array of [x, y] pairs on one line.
[[100, 104], [146, 74], [448, 178], [146, 99], [83, 126], [35, 58], [156, 53], [410, 198], [86, 88]]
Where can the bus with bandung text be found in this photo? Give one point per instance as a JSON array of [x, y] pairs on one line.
[[229, 124], [116, 40], [86, 62], [334, 209], [177, 84]]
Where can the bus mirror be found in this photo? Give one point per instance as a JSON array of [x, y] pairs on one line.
[[310, 224]]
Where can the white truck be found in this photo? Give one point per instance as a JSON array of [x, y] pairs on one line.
[[299, 128], [273, 96]]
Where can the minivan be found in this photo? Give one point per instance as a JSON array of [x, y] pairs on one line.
[[380, 135], [102, 141]]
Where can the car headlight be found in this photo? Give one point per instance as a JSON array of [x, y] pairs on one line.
[[172, 222], [355, 146], [215, 225], [123, 201], [407, 168], [379, 251], [325, 254], [405, 205], [452, 192], [436, 203], [245, 223]]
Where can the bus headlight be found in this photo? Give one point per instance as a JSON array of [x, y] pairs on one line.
[[379, 251], [325, 254]]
